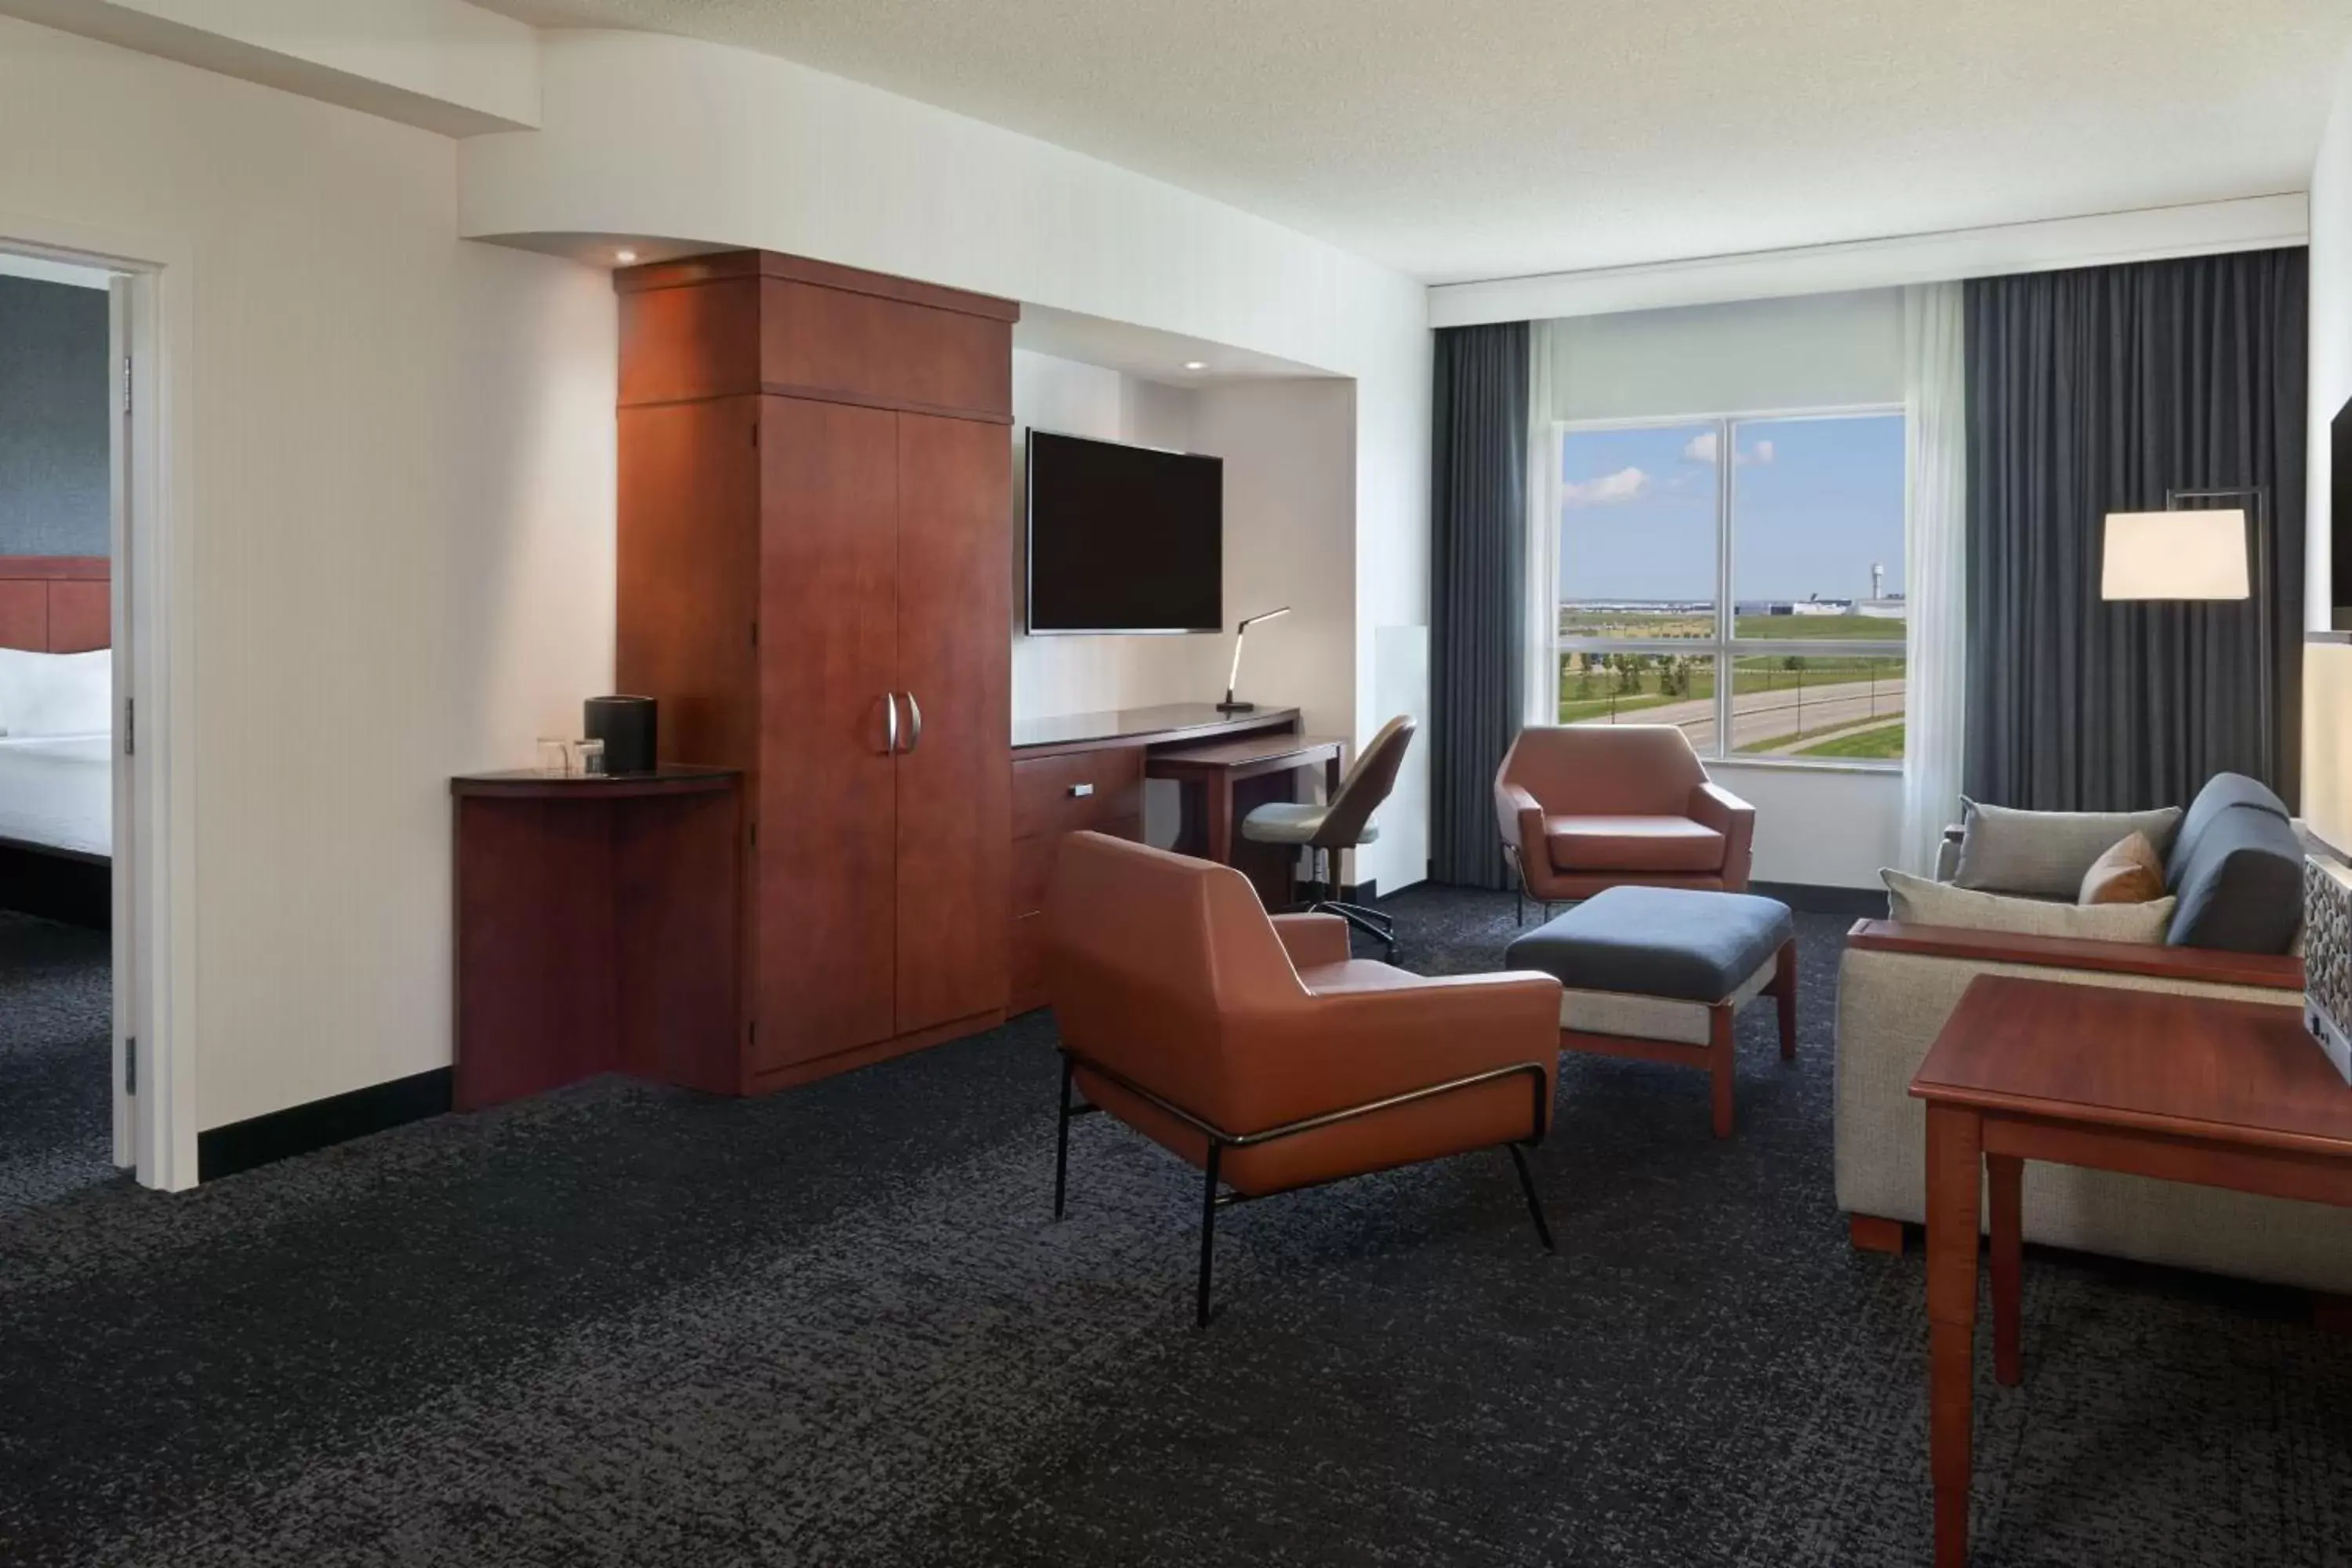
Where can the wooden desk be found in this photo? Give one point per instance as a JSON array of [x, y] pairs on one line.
[[599, 929], [2227, 1094], [1086, 770], [1216, 768]]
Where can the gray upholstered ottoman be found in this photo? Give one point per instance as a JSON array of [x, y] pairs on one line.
[[1660, 973]]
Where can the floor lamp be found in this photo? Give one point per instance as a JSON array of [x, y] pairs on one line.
[[2194, 551]]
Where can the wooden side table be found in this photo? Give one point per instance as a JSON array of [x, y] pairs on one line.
[[599, 929], [2182, 1089]]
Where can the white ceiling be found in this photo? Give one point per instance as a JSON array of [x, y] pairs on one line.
[[1463, 139], [1146, 351]]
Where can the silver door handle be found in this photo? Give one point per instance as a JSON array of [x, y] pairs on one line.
[[890, 730], [1080, 791], [915, 716]]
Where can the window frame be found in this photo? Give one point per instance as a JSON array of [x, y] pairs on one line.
[[1726, 647]]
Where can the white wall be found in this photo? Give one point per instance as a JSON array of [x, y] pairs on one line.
[[2331, 333], [444, 64], [400, 519], [1820, 827], [670, 138], [1289, 448]]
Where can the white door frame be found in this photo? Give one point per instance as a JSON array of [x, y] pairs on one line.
[[152, 578]]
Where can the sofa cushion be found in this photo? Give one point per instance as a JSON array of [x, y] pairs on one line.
[[1916, 900], [2130, 873], [1632, 843], [2240, 887], [2046, 853], [1657, 942], [2221, 792]]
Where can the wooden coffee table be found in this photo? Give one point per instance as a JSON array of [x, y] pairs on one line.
[[2226, 1094]]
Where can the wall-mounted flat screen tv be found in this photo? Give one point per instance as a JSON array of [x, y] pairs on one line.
[[1124, 539]]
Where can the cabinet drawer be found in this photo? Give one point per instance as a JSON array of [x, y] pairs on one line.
[[1033, 861], [1080, 789]]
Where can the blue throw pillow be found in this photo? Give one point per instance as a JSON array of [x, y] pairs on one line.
[[2222, 792], [2240, 886]]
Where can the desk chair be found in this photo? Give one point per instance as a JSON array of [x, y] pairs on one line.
[[1339, 824]]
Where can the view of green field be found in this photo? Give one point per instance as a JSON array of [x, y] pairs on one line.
[[1882, 744], [1847, 706]]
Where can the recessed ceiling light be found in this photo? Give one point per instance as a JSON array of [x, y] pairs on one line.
[[1196, 364], [624, 257]]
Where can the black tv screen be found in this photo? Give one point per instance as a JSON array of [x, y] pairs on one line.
[[1124, 539]]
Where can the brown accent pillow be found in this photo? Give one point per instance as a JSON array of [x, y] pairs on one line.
[[2129, 873]]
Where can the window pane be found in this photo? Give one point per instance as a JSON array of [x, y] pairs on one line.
[[1817, 527], [1637, 531], [1848, 708], [1640, 688]]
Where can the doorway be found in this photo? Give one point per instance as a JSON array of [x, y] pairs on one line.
[[77, 454]]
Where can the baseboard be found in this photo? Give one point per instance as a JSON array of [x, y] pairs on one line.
[[300, 1128], [75, 889], [1854, 903]]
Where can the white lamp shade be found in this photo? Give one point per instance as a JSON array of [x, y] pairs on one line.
[[2175, 555]]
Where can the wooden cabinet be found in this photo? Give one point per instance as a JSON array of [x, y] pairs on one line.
[[815, 580], [598, 927]]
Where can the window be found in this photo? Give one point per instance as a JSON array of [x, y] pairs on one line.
[[1741, 578]]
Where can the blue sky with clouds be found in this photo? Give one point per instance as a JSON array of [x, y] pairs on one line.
[[1817, 501]]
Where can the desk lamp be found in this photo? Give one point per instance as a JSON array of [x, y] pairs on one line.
[[1233, 678]]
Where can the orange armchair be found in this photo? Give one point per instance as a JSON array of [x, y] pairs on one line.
[[1590, 806], [1259, 1050]]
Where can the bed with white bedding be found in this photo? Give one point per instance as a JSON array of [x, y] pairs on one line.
[[57, 792], [56, 714]]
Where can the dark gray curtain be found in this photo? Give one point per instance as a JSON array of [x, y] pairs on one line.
[[1477, 556], [2095, 391]]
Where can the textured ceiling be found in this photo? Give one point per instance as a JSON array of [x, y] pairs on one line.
[[1457, 139]]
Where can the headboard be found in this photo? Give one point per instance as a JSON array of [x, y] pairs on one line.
[[54, 604]]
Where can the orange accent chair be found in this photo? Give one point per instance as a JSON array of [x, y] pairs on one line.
[[1589, 807], [1258, 1049]]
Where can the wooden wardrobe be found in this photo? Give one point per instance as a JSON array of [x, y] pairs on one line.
[[815, 581]]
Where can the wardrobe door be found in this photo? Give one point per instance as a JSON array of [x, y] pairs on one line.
[[826, 822], [955, 783]]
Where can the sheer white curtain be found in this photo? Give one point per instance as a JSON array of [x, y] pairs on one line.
[[1936, 566], [1540, 620]]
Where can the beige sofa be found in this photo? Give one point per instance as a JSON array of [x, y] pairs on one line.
[[1896, 986]]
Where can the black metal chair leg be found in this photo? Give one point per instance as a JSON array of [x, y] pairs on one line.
[[1527, 1186], [1378, 932], [1062, 1138], [1208, 1234]]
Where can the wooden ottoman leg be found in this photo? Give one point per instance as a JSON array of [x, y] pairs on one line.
[[1870, 1233], [1784, 989], [1720, 1064]]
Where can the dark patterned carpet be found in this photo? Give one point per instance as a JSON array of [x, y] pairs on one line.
[[623, 1325], [54, 1056]]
